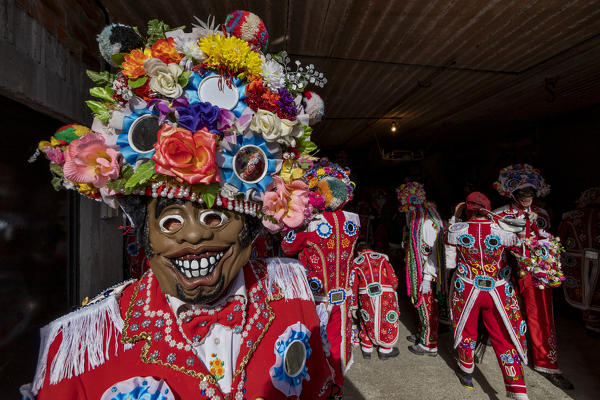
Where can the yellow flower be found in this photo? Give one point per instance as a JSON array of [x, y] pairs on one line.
[[86, 188], [230, 54], [312, 183], [320, 172]]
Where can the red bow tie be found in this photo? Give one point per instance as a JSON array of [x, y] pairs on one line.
[[196, 323]]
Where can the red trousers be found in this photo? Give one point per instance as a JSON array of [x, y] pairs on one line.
[[537, 304], [506, 353], [427, 334]]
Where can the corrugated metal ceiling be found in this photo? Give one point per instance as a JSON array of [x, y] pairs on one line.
[[425, 63]]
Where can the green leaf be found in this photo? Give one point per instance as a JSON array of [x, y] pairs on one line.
[[56, 183], [119, 184], [157, 29], [136, 83], [118, 58], [101, 78], [56, 170], [209, 194], [105, 93], [142, 174], [184, 78], [68, 135], [305, 145], [100, 110]]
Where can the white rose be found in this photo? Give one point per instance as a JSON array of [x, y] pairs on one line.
[[163, 77], [267, 123], [290, 131]]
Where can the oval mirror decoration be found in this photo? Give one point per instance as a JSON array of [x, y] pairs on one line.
[[142, 133], [294, 358], [250, 164]]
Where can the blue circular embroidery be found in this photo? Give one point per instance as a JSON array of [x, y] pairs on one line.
[[324, 230], [523, 328], [466, 240], [492, 242], [314, 284], [459, 285], [462, 269], [350, 228], [509, 290], [375, 256], [289, 238], [505, 273], [359, 260], [280, 376]]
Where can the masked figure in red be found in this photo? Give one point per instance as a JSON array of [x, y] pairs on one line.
[[579, 232], [522, 183], [481, 288], [207, 321], [374, 286]]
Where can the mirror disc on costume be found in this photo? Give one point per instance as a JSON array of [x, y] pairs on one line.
[[142, 133], [250, 164], [215, 90], [294, 358]]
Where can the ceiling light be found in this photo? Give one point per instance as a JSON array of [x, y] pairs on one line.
[[393, 127]]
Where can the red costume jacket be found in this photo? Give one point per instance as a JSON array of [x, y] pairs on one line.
[[476, 250], [374, 285], [132, 332], [580, 234], [326, 249]]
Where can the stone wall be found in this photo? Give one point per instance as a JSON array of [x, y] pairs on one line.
[[45, 48]]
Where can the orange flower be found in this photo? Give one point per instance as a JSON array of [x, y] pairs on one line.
[[133, 66], [187, 156], [164, 49]]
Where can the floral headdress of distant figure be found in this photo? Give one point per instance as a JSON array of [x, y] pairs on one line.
[[204, 116], [519, 176], [589, 197], [330, 185], [411, 196]]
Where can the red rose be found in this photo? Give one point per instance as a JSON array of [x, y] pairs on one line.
[[187, 156]]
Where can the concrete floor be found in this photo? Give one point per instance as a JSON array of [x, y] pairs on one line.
[[422, 377]]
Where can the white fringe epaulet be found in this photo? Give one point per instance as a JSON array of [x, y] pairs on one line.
[[290, 277], [86, 335]]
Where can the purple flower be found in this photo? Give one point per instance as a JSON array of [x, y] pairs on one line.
[[165, 108], [197, 116], [286, 103]]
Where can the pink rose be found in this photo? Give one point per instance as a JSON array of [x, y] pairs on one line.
[[89, 160], [285, 203], [185, 155]]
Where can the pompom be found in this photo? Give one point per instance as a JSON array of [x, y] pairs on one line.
[[249, 27], [118, 38], [314, 106]]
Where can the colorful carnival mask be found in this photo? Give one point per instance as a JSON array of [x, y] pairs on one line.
[[519, 176], [208, 120]]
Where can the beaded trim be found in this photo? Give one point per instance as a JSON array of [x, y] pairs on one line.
[[166, 190], [261, 320]]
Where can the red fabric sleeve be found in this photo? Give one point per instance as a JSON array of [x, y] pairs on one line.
[[298, 243]]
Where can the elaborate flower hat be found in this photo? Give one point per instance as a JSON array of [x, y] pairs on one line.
[[589, 197], [205, 116], [518, 176], [411, 196]]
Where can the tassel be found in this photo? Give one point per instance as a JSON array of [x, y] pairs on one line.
[[289, 276], [86, 338]]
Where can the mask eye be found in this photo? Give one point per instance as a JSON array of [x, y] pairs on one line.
[[213, 219], [170, 223]]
